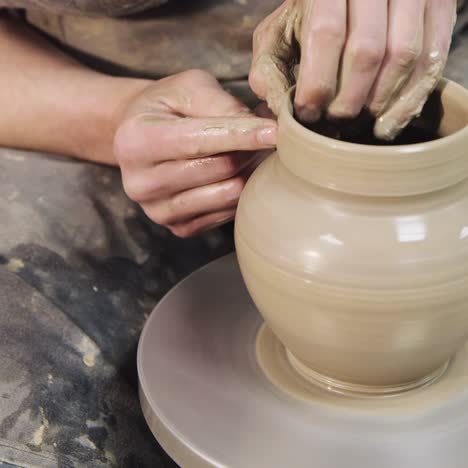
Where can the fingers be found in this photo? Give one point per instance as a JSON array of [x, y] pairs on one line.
[[322, 40], [404, 47], [439, 23], [202, 223], [171, 177], [273, 51], [145, 143], [363, 56], [220, 196]]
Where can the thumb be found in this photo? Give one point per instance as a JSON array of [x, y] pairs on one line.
[[274, 52]]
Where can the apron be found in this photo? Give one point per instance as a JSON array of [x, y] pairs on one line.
[[153, 38]]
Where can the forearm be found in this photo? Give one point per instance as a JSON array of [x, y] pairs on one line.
[[54, 104]]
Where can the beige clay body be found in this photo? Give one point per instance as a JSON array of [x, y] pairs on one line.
[[357, 256]]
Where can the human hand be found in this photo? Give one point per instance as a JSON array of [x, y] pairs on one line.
[[386, 55], [186, 149]]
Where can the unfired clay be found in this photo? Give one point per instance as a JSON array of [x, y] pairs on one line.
[[357, 256]]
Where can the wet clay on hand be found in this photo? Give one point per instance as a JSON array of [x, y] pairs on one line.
[[398, 93], [422, 129]]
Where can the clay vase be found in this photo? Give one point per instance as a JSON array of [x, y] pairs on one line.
[[357, 255]]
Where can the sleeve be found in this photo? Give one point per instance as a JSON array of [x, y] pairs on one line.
[[85, 7]]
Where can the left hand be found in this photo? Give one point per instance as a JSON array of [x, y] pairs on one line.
[[386, 55], [186, 149]]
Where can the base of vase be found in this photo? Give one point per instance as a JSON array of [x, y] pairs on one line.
[[291, 376], [353, 389]]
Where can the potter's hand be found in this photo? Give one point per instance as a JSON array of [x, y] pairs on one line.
[[186, 148], [387, 55]]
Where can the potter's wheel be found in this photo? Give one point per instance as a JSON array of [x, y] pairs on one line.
[[209, 402]]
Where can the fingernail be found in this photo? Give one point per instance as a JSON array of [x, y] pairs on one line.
[[386, 128], [267, 136], [341, 111], [308, 114]]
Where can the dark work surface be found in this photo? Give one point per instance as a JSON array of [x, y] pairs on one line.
[[81, 267]]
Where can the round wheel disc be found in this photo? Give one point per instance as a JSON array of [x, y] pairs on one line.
[[209, 402]]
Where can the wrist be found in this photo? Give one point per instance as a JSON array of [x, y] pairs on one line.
[[55, 104], [98, 121]]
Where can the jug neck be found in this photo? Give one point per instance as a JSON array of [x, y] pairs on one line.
[[383, 171]]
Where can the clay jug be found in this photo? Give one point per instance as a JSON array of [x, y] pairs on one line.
[[357, 255]]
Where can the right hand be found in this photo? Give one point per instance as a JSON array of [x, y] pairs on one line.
[[186, 149], [386, 55]]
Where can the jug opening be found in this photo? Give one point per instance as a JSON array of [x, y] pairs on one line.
[[426, 127]]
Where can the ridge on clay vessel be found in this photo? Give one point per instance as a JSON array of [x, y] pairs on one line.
[[357, 255]]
